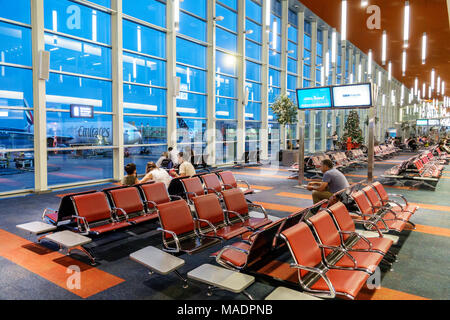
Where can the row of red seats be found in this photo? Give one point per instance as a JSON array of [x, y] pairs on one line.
[[385, 151], [379, 212], [97, 212], [331, 258]]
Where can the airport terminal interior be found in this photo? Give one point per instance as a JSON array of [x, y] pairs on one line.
[[224, 150]]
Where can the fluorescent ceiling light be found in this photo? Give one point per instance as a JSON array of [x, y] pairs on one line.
[[369, 63], [344, 21], [384, 48], [433, 74], [416, 86], [267, 13], [424, 48], [390, 71], [404, 62], [406, 25]]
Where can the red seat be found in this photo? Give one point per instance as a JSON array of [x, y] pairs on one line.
[[178, 229], [242, 254], [377, 204], [308, 260], [212, 183], [384, 196], [154, 194], [235, 202], [329, 235], [212, 220], [367, 212], [129, 200], [346, 225], [193, 187], [229, 182], [95, 215]]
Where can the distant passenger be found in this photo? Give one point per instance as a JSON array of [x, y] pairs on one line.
[[173, 154], [153, 173], [131, 177], [332, 182], [186, 169], [164, 161]]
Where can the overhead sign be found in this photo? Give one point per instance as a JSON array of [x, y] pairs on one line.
[[335, 97], [434, 122], [314, 98], [351, 96], [81, 111], [422, 122]]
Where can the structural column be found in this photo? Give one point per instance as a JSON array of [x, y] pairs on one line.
[[117, 88], [171, 74], [265, 85], [211, 101], [313, 83], [39, 101], [284, 49]]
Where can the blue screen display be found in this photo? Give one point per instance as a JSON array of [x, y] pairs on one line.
[[314, 98]]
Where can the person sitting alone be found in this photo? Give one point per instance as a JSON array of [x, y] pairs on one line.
[[332, 182], [153, 173], [164, 161], [131, 177], [186, 169]]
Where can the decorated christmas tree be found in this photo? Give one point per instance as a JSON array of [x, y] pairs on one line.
[[352, 129]]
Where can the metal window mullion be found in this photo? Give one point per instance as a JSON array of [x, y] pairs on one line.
[[171, 73], [143, 23], [264, 136], [66, 35], [144, 55]]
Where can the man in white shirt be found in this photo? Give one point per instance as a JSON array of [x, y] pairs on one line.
[[173, 154], [186, 169]]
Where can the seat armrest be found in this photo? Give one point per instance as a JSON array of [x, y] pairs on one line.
[[229, 186], [373, 224], [84, 222], [245, 182], [218, 194], [399, 196], [259, 206], [116, 210], [207, 222], [340, 250], [359, 236], [233, 212], [46, 210], [321, 273], [177, 242], [175, 197], [147, 202]]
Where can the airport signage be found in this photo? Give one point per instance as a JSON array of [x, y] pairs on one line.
[[434, 122], [335, 97], [351, 96], [314, 98], [421, 122], [81, 111]]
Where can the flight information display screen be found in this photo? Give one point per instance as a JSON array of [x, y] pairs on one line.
[[80, 111], [434, 122], [352, 96], [422, 122], [314, 98]]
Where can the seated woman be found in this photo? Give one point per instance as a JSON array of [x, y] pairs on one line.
[[156, 174], [131, 177]]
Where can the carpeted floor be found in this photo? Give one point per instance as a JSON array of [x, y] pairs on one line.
[[423, 269]]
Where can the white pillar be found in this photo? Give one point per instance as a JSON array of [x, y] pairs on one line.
[[283, 75], [117, 88], [211, 102], [39, 101], [171, 75]]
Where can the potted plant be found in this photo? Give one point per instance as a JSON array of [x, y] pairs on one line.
[[286, 113]]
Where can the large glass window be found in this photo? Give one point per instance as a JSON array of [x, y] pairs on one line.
[[16, 98]]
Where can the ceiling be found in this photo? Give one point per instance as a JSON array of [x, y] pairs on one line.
[[430, 16]]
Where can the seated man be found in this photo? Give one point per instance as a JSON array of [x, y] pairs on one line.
[[186, 169], [333, 181]]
